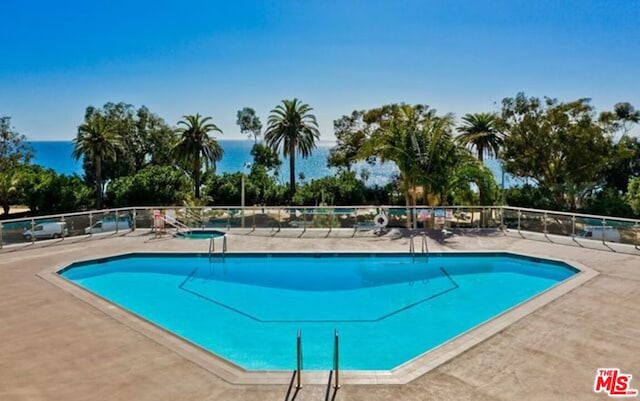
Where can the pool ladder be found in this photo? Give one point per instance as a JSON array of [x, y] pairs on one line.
[[334, 374], [424, 248], [212, 246], [297, 373]]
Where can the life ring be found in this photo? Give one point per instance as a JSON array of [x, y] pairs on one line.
[[381, 220]]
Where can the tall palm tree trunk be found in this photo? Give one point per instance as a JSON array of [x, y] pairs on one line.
[[196, 177], [407, 199], [292, 169], [481, 193], [98, 182]]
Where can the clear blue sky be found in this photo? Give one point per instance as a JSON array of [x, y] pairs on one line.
[[214, 57]]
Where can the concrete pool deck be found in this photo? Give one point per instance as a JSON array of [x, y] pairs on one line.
[[55, 346]]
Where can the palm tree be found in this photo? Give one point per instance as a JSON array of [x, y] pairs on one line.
[[420, 144], [479, 131], [97, 142], [292, 127], [195, 147]]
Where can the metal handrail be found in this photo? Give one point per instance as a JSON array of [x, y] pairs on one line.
[[412, 248], [336, 359], [174, 222], [299, 360], [558, 213], [425, 246], [212, 246]]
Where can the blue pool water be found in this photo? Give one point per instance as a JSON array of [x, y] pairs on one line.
[[388, 309]]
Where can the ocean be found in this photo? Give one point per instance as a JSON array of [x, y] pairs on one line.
[[57, 156]]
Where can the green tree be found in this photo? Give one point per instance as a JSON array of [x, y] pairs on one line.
[[145, 139], [608, 202], [479, 132], [623, 117], [98, 142], [266, 157], [153, 185], [156, 138], [224, 189], [120, 118], [624, 160], [633, 195], [559, 146], [470, 171], [351, 133], [533, 196], [342, 189], [249, 123], [196, 148], [419, 142], [622, 164], [14, 154], [46, 192], [293, 128]]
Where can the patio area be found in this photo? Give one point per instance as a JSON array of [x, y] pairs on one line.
[[56, 346]]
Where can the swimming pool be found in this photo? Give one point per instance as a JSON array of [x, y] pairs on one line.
[[388, 308]]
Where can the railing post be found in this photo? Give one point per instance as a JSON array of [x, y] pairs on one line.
[[544, 223], [228, 219], [604, 223], [330, 219], [64, 226], [0, 235], [33, 231], [635, 228], [573, 226], [336, 359], [304, 222], [254, 219], [414, 217], [519, 217], [90, 224], [117, 213], [298, 360], [133, 217]]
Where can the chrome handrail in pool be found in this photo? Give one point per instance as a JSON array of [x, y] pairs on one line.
[[212, 246], [336, 359], [412, 248], [298, 360], [424, 250], [425, 246]]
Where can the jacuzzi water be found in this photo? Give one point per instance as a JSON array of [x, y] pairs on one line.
[[387, 308], [200, 234]]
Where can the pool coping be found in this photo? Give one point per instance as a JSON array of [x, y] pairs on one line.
[[402, 374]]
